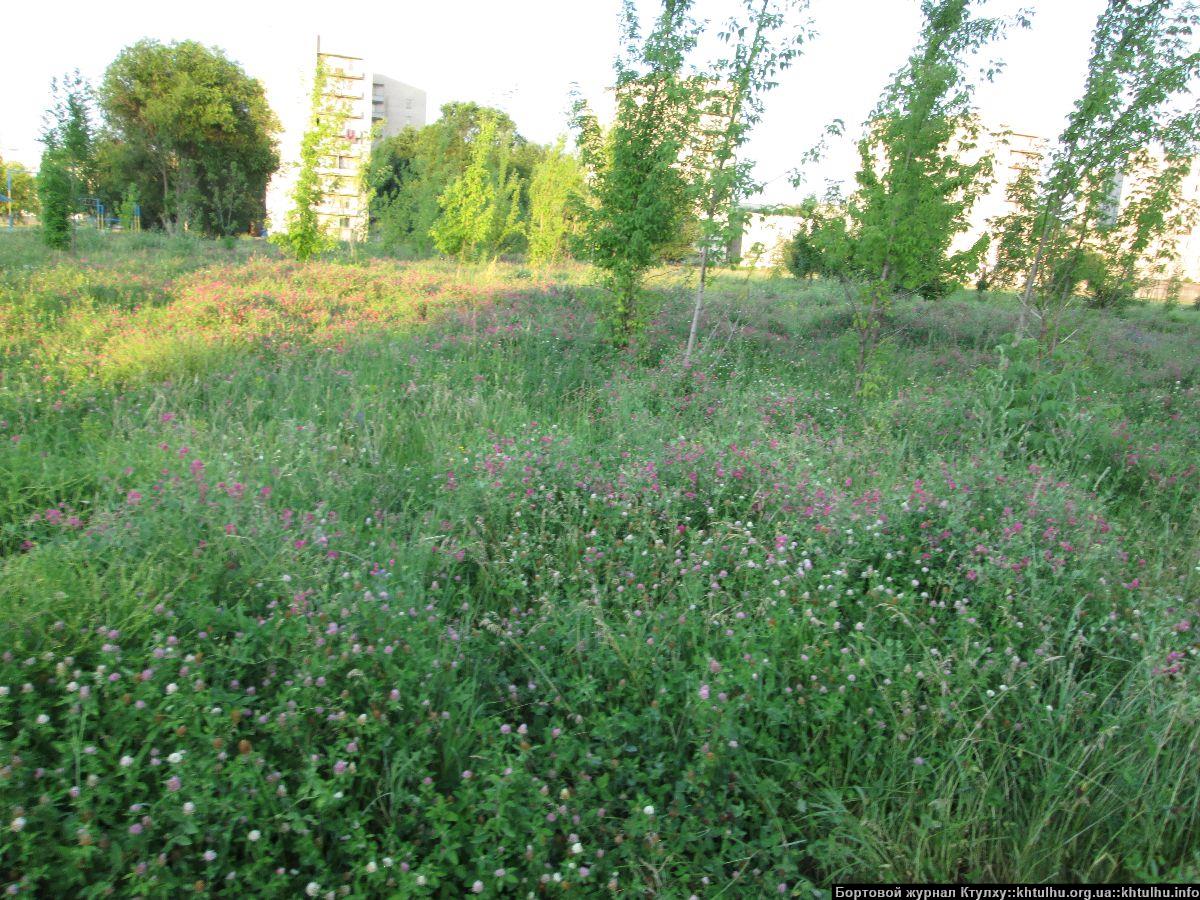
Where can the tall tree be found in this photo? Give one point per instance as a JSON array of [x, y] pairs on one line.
[[640, 191], [195, 134], [916, 183], [554, 192], [760, 48], [1139, 94]]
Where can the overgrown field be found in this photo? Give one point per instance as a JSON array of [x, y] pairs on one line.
[[369, 578]]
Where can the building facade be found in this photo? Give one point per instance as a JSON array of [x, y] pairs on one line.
[[369, 106]]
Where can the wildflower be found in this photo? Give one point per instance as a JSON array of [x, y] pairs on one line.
[[173, 783], [172, 688], [577, 848], [648, 810], [189, 808], [371, 867], [704, 692], [477, 887], [254, 835], [312, 889], [18, 823], [918, 761], [175, 758], [421, 880]]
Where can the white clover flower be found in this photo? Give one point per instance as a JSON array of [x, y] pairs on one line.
[[312, 888], [43, 719], [648, 810], [172, 688], [577, 848], [175, 758], [421, 880], [254, 834], [372, 867], [387, 862], [18, 823], [126, 761], [189, 808]]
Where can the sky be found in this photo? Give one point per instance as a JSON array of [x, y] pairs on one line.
[[525, 56]]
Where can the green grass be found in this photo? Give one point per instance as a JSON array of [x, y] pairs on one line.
[[428, 587]]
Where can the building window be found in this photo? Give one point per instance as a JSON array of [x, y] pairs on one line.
[[345, 221]]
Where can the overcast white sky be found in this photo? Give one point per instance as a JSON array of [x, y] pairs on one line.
[[524, 55]]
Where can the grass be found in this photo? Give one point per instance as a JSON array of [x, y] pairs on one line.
[[362, 578]]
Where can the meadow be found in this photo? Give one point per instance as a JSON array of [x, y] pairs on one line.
[[364, 577]]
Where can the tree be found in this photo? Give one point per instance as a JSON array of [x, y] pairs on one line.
[[1071, 228], [24, 188], [67, 128], [640, 191], [57, 198], [733, 109], [411, 172], [481, 209], [554, 192], [67, 168], [193, 131], [303, 236], [915, 185]]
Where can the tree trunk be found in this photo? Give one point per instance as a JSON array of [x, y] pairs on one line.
[[691, 344]]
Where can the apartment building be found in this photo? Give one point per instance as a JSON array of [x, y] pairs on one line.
[[369, 105]]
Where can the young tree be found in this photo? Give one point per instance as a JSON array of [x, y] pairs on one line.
[[303, 236], [640, 191], [68, 128], [481, 209], [759, 52], [182, 116], [68, 162], [916, 184], [1138, 94], [556, 184], [56, 196]]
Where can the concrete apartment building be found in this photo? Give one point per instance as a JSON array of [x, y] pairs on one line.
[[371, 105]]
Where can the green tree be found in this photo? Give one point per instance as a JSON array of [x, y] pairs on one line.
[[68, 129], [759, 52], [1138, 94], [129, 210], [411, 172], [24, 188], [640, 190], [915, 185], [193, 131], [554, 192], [481, 209], [57, 198], [303, 235]]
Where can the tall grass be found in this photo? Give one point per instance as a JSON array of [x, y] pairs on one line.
[[377, 578]]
